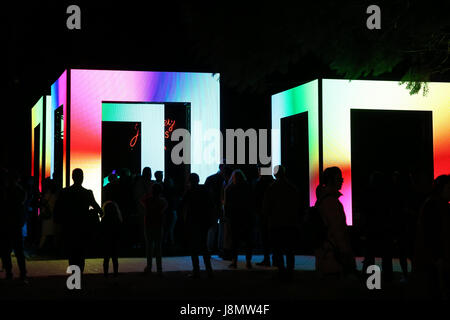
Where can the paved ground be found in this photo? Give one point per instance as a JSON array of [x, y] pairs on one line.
[[45, 268], [48, 282]]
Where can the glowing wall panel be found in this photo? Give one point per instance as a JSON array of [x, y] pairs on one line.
[[89, 89], [340, 96], [304, 98], [48, 135], [37, 119], [151, 117], [59, 98]]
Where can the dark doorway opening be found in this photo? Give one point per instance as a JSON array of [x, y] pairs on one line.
[[58, 147], [295, 153], [388, 141], [37, 156], [176, 116], [121, 147]]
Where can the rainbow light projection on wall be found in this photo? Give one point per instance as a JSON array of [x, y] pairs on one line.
[[37, 114], [48, 135], [84, 93], [291, 102], [338, 98], [59, 99]]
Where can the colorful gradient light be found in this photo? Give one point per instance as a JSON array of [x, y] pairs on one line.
[[304, 98], [338, 98], [59, 98], [91, 89], [48, 136], [37, 116]]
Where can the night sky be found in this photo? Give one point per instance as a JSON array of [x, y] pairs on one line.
[[164, 36]]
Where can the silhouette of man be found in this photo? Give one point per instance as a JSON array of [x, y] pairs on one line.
[[198, 216], [142, 187], [262, 184], [215, 185], [280, 210], [76, 209], [12, 219]]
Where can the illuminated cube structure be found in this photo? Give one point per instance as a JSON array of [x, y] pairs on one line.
[[88, 97], [328, 104]]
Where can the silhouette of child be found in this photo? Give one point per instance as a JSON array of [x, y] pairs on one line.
[[110, 233]]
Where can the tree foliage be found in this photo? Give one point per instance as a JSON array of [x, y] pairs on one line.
[[254, 41]]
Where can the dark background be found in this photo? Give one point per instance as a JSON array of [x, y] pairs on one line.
[[258, 49]]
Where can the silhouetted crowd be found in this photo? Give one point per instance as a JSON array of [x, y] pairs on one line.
[[228, 215]]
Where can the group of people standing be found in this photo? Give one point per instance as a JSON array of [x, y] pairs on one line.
[[222, 214]]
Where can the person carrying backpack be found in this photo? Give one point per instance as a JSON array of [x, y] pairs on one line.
[[335, 255]]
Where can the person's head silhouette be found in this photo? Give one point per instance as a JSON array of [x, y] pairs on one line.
[[441, 187], [222, 167], [193, 180], [238, 177], [77, 176], [332, 177], [147, 173], [159, 176]]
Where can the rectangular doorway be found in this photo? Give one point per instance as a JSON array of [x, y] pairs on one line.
[[389, 141], [295, 153], [176, 116], [58, 147], [37, 157], [121, 147]]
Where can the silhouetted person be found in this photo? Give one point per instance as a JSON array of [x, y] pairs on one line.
[[31, 212], [125, 197], [335, 256], [111, 190], [12, 219], [281, 211], [379, 225], [262, 184], [215, 185], [240, 214], [142, 187], [75, 209], [225, 236], [127, 206], [110, 229], [48, 203], [155, 207], [170, 220], [159, 175], [198, 217], [432, 253], [401, 220]]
